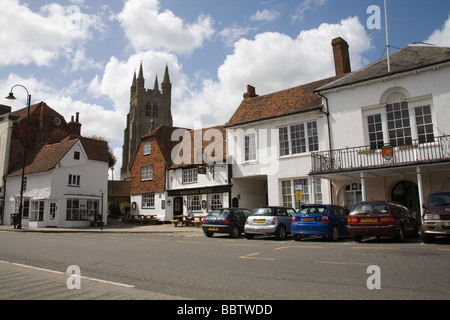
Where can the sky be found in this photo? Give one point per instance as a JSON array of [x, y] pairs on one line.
[[80, 55]]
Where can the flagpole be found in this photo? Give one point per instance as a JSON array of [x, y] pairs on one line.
[[387, 37]]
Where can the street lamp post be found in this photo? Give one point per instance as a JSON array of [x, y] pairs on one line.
[[11, 97]]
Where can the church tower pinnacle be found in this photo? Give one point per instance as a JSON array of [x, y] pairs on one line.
[[149, 109]]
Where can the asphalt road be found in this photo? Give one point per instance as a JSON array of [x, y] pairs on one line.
[[191, 266]]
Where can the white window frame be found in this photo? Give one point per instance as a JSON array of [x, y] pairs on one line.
[[309, 141], [148, 201], [190, 175], [74, 180], [250, 149], [147, 149], [147, 173]]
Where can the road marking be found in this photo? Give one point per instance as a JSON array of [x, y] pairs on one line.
[[300, 247], [63, 273], [444, 249], [345, 263], [252, 257]]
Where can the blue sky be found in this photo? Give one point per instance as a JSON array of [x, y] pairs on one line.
[[80, 55]]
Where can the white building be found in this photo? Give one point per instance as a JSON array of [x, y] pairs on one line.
[[389, 129], [271, 138], [65, 185]]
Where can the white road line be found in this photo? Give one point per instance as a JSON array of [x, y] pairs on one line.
[[63, 273]]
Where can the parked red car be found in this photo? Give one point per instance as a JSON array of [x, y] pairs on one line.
[[381, 218], [436, 219]]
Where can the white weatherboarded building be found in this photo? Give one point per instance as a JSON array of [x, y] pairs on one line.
[[65, 185]]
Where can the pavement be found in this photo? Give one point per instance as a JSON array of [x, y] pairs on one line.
[[114, 226]]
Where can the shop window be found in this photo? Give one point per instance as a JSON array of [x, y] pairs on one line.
[[82, 209]]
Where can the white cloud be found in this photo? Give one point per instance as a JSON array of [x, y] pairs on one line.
[[441, 37], [42, 37], [147, 28], [305, 6], [231, 34], [266, 15]]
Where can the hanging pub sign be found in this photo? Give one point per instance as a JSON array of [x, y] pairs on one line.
[[201, 170], [388, 153]]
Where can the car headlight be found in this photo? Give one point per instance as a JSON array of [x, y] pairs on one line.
[[431, 217]]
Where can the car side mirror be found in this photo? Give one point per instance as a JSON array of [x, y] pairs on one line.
[[414, 214]]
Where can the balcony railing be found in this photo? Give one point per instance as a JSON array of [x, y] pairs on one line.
[[364, 158]]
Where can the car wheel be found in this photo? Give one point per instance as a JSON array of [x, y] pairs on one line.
[[249, 236], [334, 234], [209, 234], [234, 233], [281, 233]]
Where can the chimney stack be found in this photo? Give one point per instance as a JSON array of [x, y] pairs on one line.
[[341, 56], [75, 126], [251, 93]]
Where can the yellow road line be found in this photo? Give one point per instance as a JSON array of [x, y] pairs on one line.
[[251, 257]]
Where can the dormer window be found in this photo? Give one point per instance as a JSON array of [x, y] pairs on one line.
[[76, 155]]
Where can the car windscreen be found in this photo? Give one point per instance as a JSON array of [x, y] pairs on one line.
[[313, 210], [263, 212], [219, 213], [370, 208], [439, 199]]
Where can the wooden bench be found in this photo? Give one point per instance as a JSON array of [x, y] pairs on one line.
[[197, 223], [154, 221], [175, 222]]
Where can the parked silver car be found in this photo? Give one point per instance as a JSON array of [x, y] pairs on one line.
[[269, 221]]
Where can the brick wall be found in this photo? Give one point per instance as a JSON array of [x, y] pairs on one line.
[[159, 170]]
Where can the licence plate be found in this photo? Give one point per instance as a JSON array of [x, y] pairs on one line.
[[213, 229], [369, 220], [307, 219], [260, 221]]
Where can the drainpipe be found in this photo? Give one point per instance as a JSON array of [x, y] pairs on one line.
[[327, 113]]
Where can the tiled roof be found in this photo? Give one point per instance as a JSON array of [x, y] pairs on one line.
[[38, 107], [283, 103], [47, 158], [410, 58], [163, 137], [218, 132]]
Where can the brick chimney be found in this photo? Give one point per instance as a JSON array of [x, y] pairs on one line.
[[251, 93], [341, 56], [75, 125]]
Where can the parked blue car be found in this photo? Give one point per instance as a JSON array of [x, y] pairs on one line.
[[328, 221]]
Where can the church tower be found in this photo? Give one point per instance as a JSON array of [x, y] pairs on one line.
[[149, 108]]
